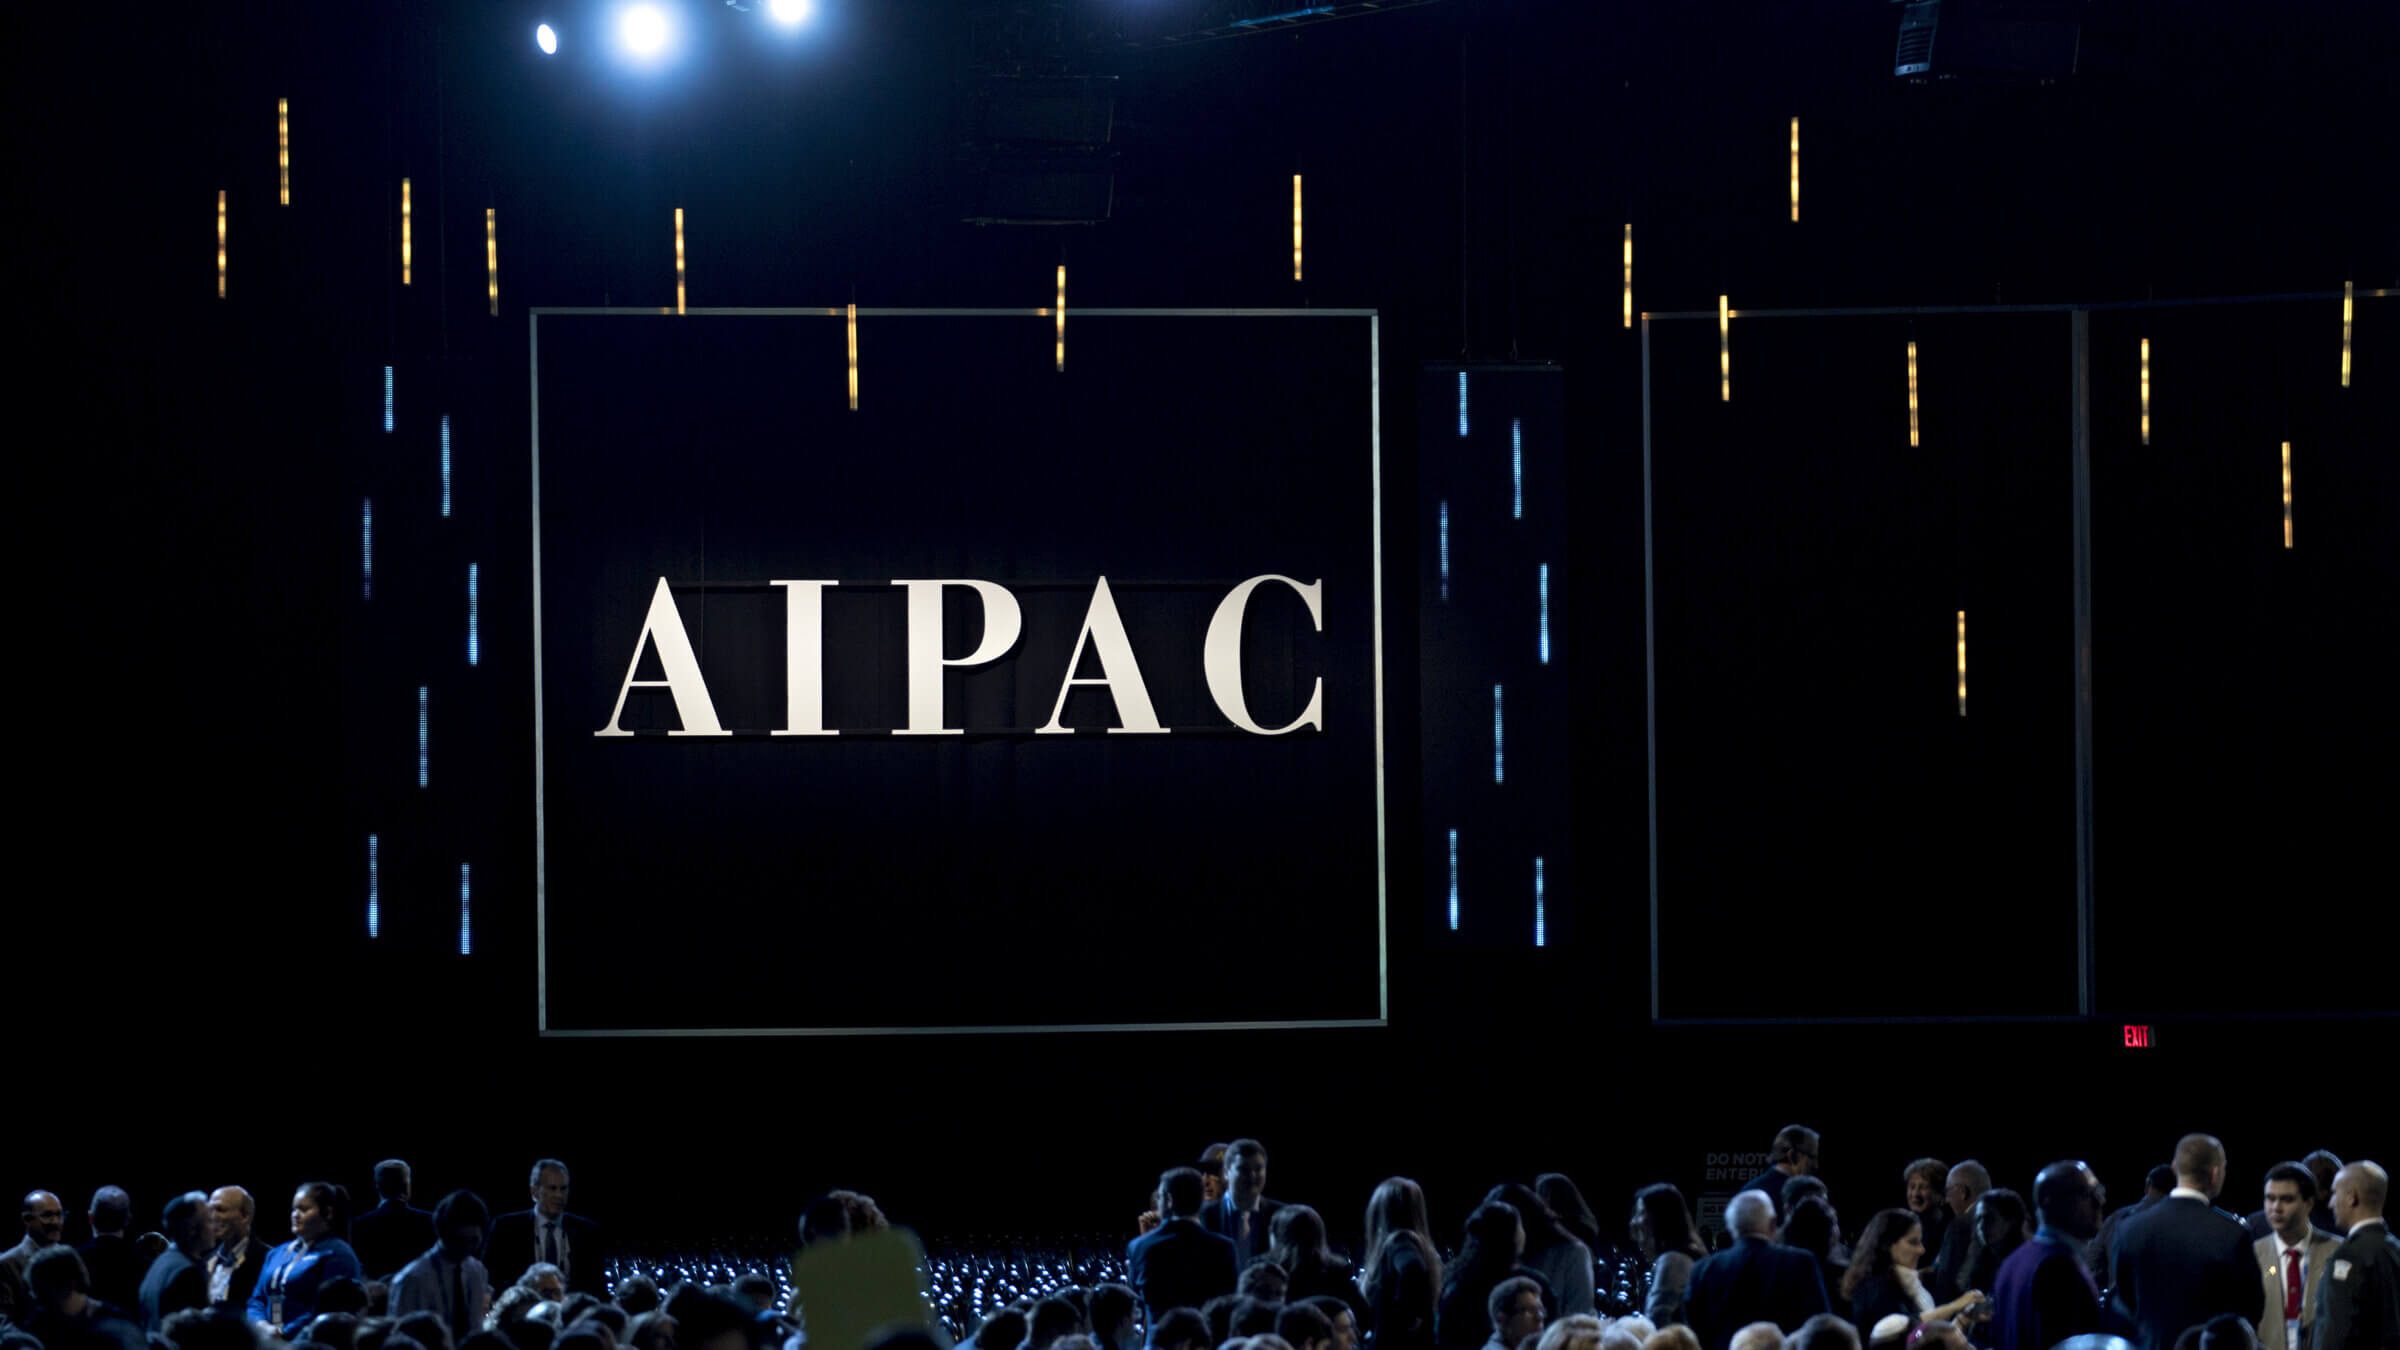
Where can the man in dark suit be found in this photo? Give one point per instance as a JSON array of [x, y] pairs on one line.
[[2155, 1185], [45, 1220], [110, 1259], [2043, 1294], [235, 1262], [2186, 1261], [392, 1234], [547, 1232], [2358, 1301], [447, 1280], [1753, 1280], [1961, 1189], [1243, 1215], [1793, 1154], [176, 1280], [1179, 1264]]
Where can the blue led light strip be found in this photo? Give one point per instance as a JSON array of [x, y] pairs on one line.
[[387, 399], [1541, 931], [1444, 531], [1499, 762], [475, 644], [423, 760], [1454, 881], [1545, 589], [374, 886], [466, 914], [445, 465], [1462, 403], [1516, 463], [366, 548]]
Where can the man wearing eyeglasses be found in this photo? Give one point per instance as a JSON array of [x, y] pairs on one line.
[[1793, 1155]]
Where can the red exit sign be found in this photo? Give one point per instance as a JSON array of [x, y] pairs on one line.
[[2136, 1038]]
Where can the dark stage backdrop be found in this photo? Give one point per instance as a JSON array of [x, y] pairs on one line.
[[883, 878]]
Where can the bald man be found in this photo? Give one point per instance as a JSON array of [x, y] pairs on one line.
[[2358, 1300], [237, 1255], [45, 1221]]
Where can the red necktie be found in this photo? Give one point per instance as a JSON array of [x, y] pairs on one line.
[[2291, 1284]]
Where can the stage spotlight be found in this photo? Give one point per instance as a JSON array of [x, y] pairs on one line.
[[790, 13], [546, 38], [643, 30]]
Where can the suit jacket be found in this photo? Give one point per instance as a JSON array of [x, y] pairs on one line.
[[174, 1282], [2181, 1264], [2358, 1302], [243, 1281], [1219, 1220], [2043, 1294], [116, 1268], [1180, 1264], [390, 1236], [16, 1303], [515, 1243], [420, 1287], [1752, 1281], [2272, 1333]]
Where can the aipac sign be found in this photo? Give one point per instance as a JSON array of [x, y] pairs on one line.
[[1013, 700]]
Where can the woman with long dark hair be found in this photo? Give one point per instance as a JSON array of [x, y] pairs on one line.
[[1404, 1273], [1297, 1243], [1565, 1200], [1883, 1276], [1662, 1228], [289, 1282], [1561, 1256], [1813, 1227], [1493, 1251]]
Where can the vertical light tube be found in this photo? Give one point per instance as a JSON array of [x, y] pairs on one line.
[[283, 151], [1724, 351], [466, 912], [474, 618], [1295, 227], [1454, 881], [1061, 312], [374, 886], [491, 258], [424, 758], [1499, 739], [853, 325], [2287, 494], [1795, 170], [366, 549], [1541, 922], [1442, 528], [220, 243], [1912, 393], [2145, 391], [405, 248], [1462, 403], [445, 466], [1629, 274], [679, 260], [1544, 586], [1962, 663], [387, 400], [2347, 291], [1516, 467]]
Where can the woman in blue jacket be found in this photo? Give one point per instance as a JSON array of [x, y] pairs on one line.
[[286, 1295]]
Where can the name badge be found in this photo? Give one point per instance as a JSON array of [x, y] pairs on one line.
[[2341, 1270]]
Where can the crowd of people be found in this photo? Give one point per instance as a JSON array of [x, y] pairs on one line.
[[1216, 1264]]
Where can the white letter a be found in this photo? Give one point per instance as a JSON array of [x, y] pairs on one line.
[[664, 626]]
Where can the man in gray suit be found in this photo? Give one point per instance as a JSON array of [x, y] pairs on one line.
[[2292, 1258], [447, 1280]]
